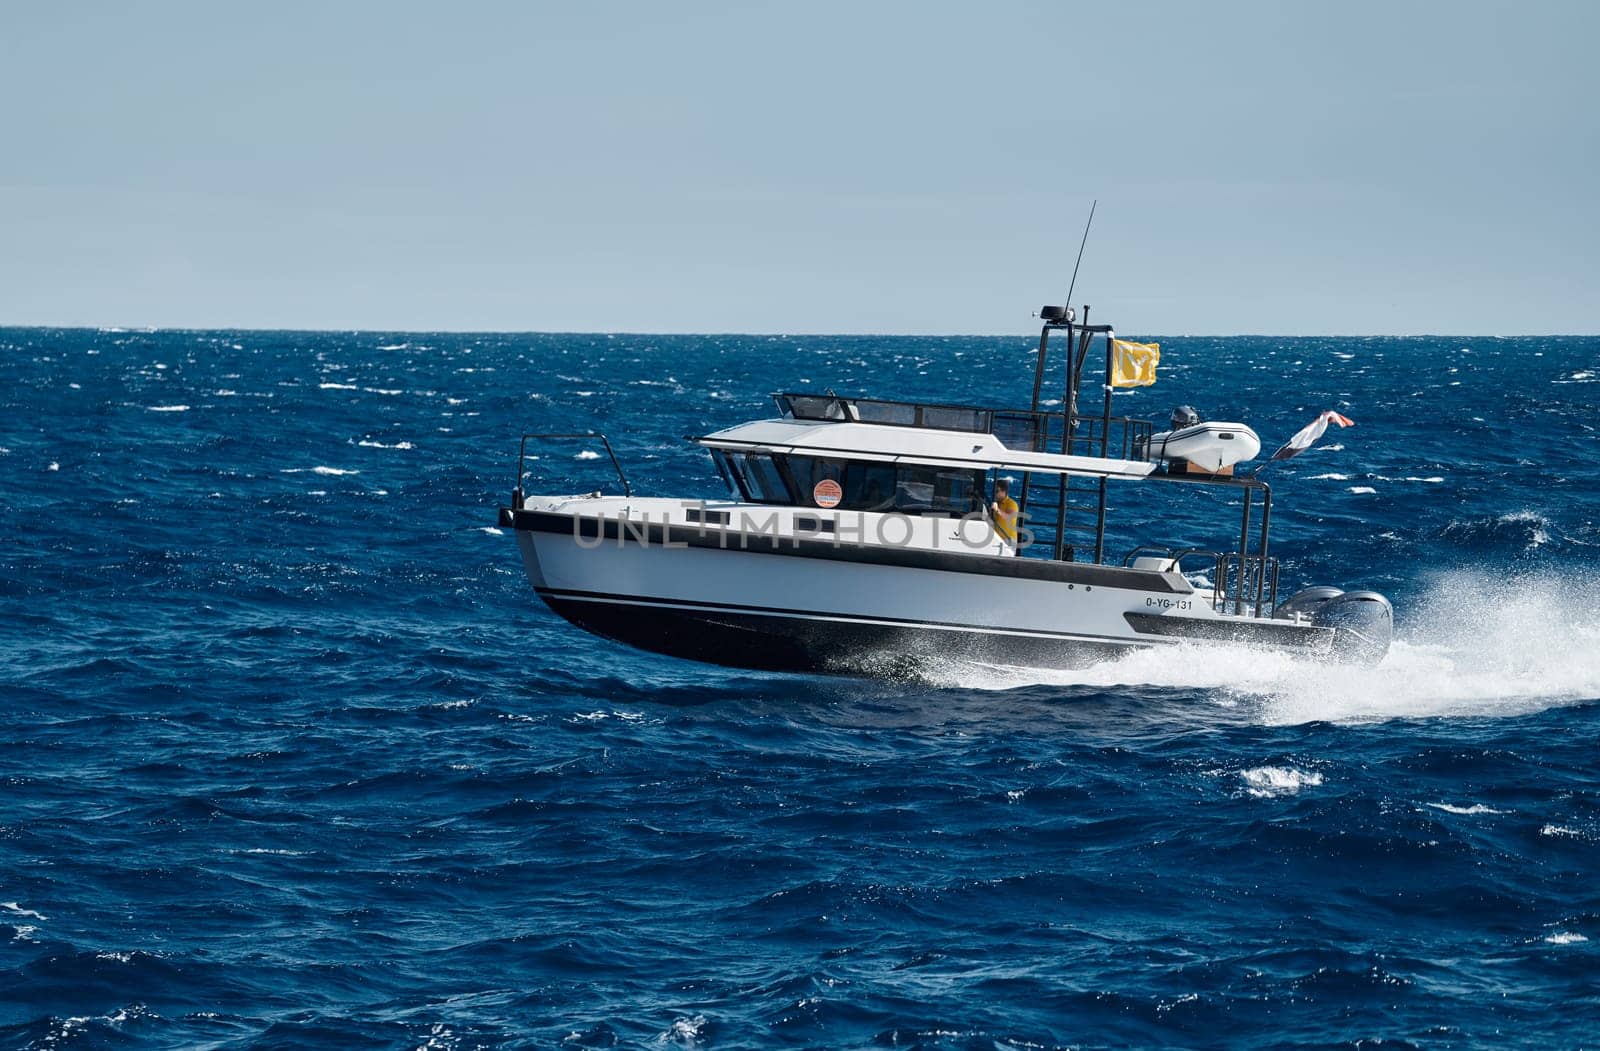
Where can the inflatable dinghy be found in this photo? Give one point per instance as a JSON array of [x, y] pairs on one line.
[[1211, 447]]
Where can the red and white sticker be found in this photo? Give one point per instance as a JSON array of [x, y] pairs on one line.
[[827, 493]]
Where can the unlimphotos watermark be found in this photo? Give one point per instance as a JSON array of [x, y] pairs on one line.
[[743, 528]]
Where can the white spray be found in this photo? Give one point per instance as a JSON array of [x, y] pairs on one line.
[[1469, 645]]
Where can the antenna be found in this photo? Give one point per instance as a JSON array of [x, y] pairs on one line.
[[1081, 243]]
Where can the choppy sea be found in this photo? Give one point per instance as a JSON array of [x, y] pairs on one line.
[[292, 757]]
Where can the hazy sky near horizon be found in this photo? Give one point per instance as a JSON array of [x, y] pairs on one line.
[[1295, 168]]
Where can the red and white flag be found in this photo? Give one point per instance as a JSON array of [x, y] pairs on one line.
[[1308, 435]]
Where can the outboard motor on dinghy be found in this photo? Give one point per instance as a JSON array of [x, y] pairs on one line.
[[1183, 416], [1363, 621]]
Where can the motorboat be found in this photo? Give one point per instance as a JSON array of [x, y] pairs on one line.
[[859, 534]]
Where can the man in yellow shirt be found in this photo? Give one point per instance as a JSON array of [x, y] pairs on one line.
[[1004, 511]]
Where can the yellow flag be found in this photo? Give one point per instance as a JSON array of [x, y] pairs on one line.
[[1134, 364]]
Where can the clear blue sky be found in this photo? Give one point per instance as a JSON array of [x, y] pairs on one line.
[[1273, 167]]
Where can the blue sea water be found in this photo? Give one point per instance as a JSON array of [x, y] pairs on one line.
[[292, 756]]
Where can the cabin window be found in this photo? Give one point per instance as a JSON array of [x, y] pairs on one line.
[[900, 414], [728, 467], [759, 478], [958, 492], [1016, 430], [811, 407], [807, 471], [950, 418], [869, 486], [932, 490], [720, 458], [886, 487], [808, 524]]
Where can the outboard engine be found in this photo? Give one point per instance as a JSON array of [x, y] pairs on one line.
[[1363, 621], [1307, 601], [1183, 416]]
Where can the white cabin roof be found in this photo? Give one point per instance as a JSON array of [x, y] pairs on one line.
[[920, 445]]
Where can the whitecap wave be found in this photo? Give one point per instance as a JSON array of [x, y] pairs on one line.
[[69, 1030], [1265, 782], [602, 715], [685, 1032], [15, 909], [1530, 527]]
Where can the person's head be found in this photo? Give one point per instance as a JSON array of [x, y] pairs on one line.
[[1001, 487]]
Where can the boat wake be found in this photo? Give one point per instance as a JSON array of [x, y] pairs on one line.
[[1486, 647]]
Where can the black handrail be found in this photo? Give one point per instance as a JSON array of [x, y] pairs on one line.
[[522, 453], [1176, 556], [986, 414], [1257, 573]]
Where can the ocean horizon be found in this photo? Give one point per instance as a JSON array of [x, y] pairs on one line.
[[711, 333], [294, 757]]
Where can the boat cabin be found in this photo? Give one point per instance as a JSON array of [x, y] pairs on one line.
[[834, 452], [927, 461]]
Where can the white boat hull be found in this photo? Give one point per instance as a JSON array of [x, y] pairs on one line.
[[784, 602]]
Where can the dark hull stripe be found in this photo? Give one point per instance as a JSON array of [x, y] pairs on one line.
[[767, 642], [864, 620], [658, 535], [1277, 633]]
